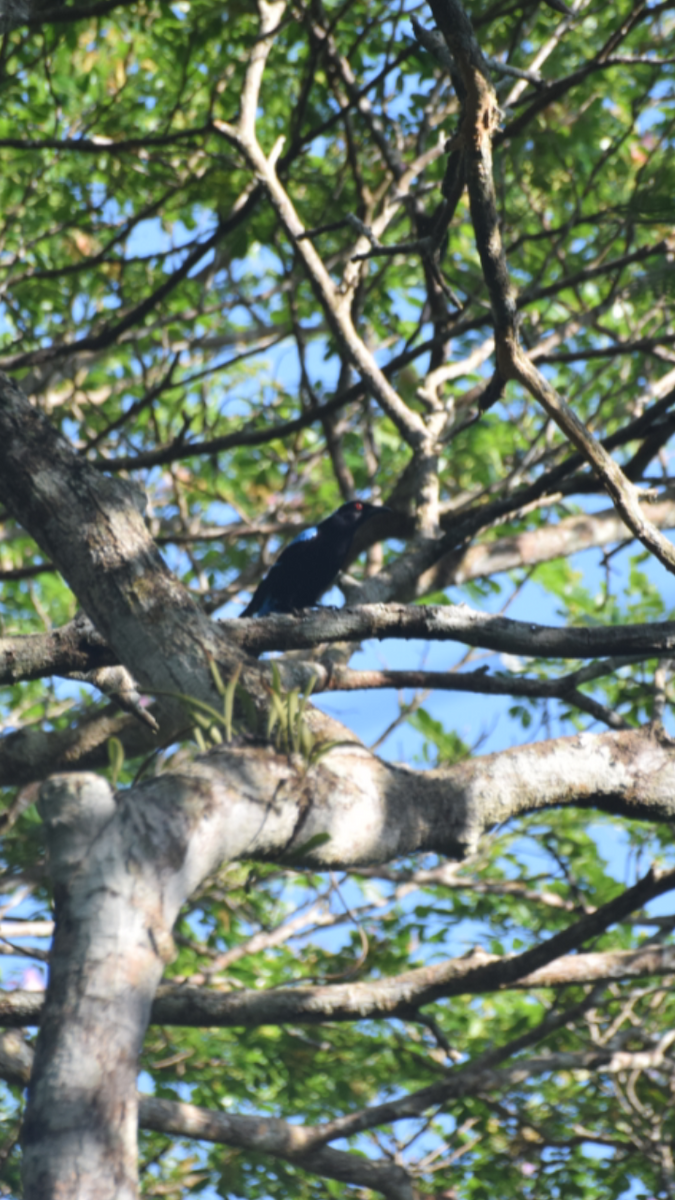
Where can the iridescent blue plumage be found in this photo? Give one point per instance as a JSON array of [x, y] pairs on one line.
[[306, 536], [310, 564]]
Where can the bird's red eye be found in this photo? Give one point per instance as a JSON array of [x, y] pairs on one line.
[[358, 506]]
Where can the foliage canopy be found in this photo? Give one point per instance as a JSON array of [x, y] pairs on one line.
[[157, 308]]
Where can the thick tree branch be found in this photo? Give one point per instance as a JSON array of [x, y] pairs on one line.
[[77, 646], [33, 753], [269, 1135], [456, 624], [252, 803], [91, 526], [397, 996], [45, 654], [476, 1078], [399, 811], [259, 1134]]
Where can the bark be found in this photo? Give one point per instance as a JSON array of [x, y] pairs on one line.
[[86, 1144], [261, 1134], [280, 1138], [32, 753], [366, 811], [92, 528], [561, 540], [74, 647], [122, 866], [458, 623], [16, 1058], [476, 1078]]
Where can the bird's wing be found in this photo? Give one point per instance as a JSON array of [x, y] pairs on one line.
[[307, 535], [259, 602], [272, 593]]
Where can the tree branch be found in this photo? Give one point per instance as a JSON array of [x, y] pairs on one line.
[[457, 623], [77, 646], [479, 124], [393, 997], [91, 526], [269, 1135], [251, 802], [334, 301], [548, 964]]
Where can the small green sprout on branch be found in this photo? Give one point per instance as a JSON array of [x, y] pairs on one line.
[[283, 723], [209, 726], [286, 721], [115, 759]]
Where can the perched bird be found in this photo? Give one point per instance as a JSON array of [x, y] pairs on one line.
[[310, 564]]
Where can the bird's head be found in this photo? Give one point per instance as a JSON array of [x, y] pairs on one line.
[[355, 513]]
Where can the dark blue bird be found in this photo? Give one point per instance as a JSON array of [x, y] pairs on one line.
[[310, 564]]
